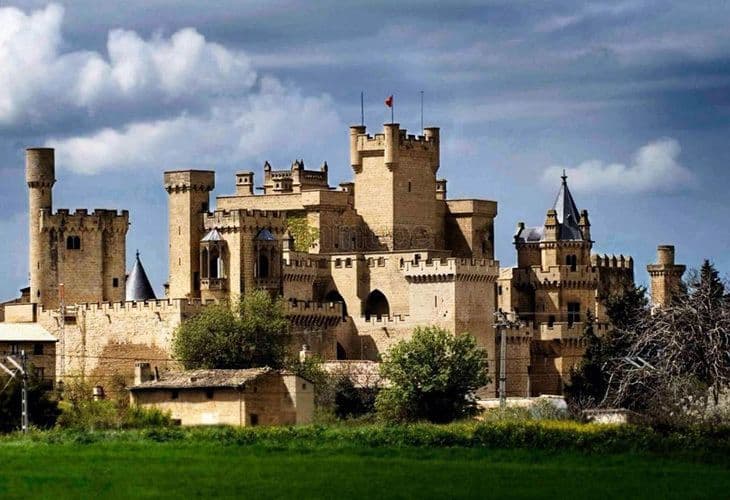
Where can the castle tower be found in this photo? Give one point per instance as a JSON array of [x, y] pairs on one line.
[[40, 176], [395, 175], [666, 276], [188, 200]]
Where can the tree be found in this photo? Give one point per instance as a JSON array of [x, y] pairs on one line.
[[677, 358], [589, 382], [432, 376], [43, 408], [250, 333]]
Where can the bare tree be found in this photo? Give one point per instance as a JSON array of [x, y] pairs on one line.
[[678, 358]]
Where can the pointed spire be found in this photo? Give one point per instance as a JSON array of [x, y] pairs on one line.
[[567, 212], [138, 285]]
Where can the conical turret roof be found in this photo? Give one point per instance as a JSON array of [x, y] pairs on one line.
[[568, 214], [138, 285]]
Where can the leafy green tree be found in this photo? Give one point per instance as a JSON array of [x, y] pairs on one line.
[[248, 334], [43, 408], [432, 377]]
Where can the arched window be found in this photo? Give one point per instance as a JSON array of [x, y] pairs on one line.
[[263, 266], [204, 263], [73, 243], [376, 305], [214, 263]]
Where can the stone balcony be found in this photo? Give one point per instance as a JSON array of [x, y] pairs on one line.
[[214, 283]]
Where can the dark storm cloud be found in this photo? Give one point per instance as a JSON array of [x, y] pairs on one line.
[[517, 87]]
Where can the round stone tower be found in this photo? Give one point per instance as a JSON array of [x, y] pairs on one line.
[[40, 176]]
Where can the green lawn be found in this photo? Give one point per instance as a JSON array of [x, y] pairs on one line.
[[203, 469]]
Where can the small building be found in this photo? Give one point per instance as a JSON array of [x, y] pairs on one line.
[[254, 396], [38, 344]]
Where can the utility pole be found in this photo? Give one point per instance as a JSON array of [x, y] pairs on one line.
[[21, 367], [502, 324], [25, 416]]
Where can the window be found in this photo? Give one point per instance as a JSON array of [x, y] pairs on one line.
[[435, 301], [39, 373], [409, 186], [573, 312], [209, 393], [551, 320], [115, 282], [348, 262], [174, 394], [73, 243], [304, 386], [499, 290], [38, 349], [253, 419], [14, 349], [417, 258], [572, 261], [204, 206]]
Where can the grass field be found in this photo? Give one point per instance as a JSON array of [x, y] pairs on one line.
[[118, 469]]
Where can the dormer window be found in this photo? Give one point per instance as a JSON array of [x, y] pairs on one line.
[[73, 243]]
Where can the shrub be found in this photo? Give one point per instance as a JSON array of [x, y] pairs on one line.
[[433, 377]]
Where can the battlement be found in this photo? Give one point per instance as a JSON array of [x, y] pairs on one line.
[[451, 268], [393, 143], [153, 306], [81, 220], [395, 320], [236, 219], [180, 181], [613, 261], [313, 308]]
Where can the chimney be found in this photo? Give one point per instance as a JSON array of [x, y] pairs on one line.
[[142, 373]]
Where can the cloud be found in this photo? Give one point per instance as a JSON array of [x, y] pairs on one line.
[[161, 102], [655, 168], [274, 117], [42, 84]]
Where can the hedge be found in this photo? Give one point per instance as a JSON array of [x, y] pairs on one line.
[[544, 435]]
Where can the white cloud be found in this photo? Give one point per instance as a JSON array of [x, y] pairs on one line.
[[163, 102], [655, 167], [38, 80], [275, 117]]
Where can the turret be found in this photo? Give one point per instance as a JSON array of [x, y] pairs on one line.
[[392, 144], [432, 135], [441, 189], [666, 276], [585, 225], [40, 176], [355, 158], [189, 196], [551, 225], [244, 183]]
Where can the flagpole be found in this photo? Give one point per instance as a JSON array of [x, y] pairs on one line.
[[422, 112], [392, 108], [362, 108]]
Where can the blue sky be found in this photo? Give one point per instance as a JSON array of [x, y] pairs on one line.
[[632, 98]]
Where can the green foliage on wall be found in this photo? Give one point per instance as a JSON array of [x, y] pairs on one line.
[[305, 236]]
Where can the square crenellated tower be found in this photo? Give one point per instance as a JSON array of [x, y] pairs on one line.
[[397, 192]]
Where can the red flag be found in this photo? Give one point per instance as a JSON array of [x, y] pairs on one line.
[[389, 101]]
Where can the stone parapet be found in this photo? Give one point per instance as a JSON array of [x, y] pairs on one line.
[[451, 269], [81, 220]]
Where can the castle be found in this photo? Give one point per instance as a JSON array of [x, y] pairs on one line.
[[360, 265]]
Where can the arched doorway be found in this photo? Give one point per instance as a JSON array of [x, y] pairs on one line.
[[334, 296], [376, 305]]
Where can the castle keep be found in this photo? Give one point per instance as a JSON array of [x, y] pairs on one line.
[[360, 265]]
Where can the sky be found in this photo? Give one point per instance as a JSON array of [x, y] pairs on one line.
[[631, 98]]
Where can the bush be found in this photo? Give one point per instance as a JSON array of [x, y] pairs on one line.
[[433, 377], [80, 411]]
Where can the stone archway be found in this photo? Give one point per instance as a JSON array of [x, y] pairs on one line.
[[376, 305]]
